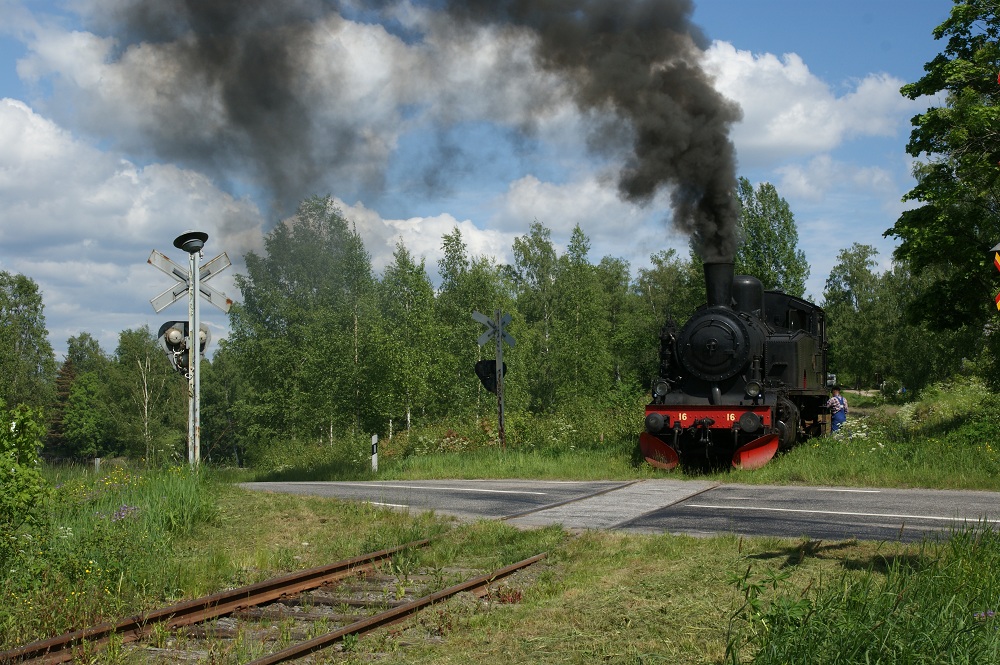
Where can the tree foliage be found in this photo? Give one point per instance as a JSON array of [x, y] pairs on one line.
[[769, 240], [308, 308], [145, 400], [467, 284], [22, 488], [85, 353], [957, 181], [80, 422], [406, 302], [626, 339], [27, 364], [88, 426], [221, 389], [582, 329], [855, 322], [872, 340], [533, 276]]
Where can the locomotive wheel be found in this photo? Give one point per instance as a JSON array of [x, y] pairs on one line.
[[788, 422]]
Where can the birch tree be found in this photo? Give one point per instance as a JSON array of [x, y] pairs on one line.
[[27, 364]]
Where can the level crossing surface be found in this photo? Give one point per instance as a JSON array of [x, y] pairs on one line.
[[678, 506]]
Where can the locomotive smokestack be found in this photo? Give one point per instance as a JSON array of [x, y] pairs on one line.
[[719, 283]]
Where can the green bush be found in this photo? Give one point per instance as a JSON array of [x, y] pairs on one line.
[[22, 489]]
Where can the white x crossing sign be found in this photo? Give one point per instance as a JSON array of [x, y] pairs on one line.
[[493, 328], [206, 272]]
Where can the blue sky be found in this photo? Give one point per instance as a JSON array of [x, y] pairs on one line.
[[86, 192]]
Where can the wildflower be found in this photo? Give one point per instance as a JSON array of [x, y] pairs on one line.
[[124, 512]]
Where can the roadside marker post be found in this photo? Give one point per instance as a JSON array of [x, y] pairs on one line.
[[192, 283]]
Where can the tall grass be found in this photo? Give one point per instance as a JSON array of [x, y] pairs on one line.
[[940, 605], [595, 442], [516, 463], [948, 439], [105, 548]]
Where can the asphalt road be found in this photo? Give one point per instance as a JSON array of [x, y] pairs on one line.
[[679, 506]]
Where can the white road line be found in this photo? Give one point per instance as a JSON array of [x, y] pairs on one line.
[[847, 514], [388, 505], [826, 489], [430, 487], [547, 482]]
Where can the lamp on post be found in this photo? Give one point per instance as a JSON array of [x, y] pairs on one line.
[[194, 337], [193, 242]]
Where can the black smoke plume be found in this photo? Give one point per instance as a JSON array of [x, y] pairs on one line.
[[640, 59], [635, 61]]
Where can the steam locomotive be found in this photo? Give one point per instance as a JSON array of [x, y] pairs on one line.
[[744, 378]]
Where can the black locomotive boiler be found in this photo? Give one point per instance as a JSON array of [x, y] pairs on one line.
[[743, 378]]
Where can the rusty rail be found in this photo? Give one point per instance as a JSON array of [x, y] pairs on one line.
[[393, 615], [60, 649]]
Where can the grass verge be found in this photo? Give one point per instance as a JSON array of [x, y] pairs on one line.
[[125, 540], [599, 596], [947, 440]]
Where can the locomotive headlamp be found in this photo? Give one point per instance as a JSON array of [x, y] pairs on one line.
[[661, 388], [753, 389]]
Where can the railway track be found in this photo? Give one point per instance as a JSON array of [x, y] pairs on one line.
[[278, 620]]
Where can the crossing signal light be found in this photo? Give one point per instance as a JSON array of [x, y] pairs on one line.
[[204, 337], [174, 340], [172, 337], [486, 370]]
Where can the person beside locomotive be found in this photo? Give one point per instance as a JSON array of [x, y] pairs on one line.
[[838, 409]]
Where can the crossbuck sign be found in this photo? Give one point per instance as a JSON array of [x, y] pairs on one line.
[[174, 293]]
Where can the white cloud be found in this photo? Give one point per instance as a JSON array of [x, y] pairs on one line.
[[78, 57], [827, 148], [788, 112], [812, 179], [422, 236], [615, 227], [81, 223]]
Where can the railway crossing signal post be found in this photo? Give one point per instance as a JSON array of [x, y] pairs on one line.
[[191, 282], [495, 329]]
